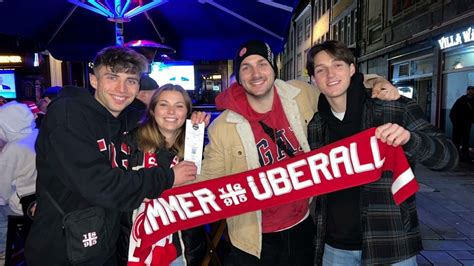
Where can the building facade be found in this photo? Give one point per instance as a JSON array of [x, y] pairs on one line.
[[314, 22], [425, 47]]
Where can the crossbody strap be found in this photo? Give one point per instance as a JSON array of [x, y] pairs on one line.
[[56, 205], [278, 141]]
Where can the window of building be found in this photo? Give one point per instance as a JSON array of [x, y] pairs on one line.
[[459, 59], [291, 40], [413, 68], [307, 28], [335, 32], [347, 27], [316, 10], [413, 78], [352, 27], [291, 76], [421, 67], [323, 7], [300, 34], [299, 65], [341, 31], [399, 5], [305, 57], [375, 34]]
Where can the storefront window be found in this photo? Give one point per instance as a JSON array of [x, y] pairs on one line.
[[459, 59], [413, 78], [422, 66], [458, 74]]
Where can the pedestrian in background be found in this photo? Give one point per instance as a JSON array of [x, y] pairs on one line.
[[462, 117], [46, 97]]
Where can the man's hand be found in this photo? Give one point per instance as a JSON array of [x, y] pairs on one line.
[[31, 209], [392, 134], [198, 117], [184, 171], [383, 90]]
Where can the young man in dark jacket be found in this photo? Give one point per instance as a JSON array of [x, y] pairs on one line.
[[81, 162], [363, 225], [462, 117]]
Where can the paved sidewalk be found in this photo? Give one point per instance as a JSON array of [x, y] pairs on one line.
[[445, 205]]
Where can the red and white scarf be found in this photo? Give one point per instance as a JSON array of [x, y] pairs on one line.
[[163, 251], [354, 161]]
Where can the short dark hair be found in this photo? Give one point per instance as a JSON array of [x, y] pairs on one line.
[[335, 48], [470, 88], [120, 60]]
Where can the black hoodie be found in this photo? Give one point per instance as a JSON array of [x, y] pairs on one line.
[[343, 229], [80, 162]]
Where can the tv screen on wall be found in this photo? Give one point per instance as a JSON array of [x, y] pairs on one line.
[[7, 83], [180, 73]]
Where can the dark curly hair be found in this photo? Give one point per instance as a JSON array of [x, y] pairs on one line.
[[120, 60]]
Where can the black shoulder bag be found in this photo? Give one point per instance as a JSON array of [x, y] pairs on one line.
[[85, 232]]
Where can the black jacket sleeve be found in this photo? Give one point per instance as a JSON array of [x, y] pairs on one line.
[[84, 169]]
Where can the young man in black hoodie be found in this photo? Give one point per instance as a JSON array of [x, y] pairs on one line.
[[81, 161], [363, 225]]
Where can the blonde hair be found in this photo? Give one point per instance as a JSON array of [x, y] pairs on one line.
[[149, 137]]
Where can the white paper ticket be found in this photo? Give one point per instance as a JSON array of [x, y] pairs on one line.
[[194, 143]]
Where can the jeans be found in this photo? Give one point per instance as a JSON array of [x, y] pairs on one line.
[[335, 257], [294, 246], [178, 261], [4, 212]]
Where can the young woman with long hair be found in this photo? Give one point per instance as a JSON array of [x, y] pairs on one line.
[[159, 142]]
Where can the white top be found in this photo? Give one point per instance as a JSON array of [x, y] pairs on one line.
[[17, 158]]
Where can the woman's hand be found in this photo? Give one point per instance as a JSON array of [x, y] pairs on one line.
[[198, 117]]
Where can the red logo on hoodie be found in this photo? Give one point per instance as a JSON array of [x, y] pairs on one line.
[[113, 152], [102, 145]]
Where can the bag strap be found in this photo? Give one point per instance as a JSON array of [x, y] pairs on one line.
[[278, 141], [56, 205]]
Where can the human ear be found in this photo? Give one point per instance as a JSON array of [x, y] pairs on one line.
[[352, 69], [93, 80]]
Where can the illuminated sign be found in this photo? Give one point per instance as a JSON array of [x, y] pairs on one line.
[[456, 39], [10, 59]]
